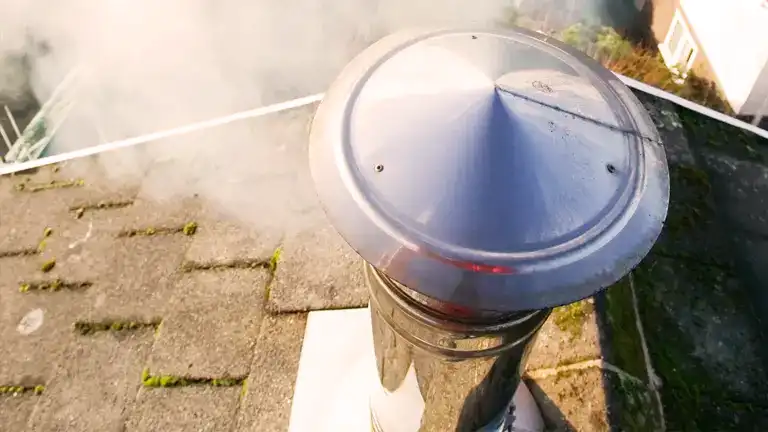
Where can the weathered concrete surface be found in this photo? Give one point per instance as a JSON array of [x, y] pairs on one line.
[[16, 410], [207, 293], [318, 271], [572, 400], [221, 311], [266, 403], [35, 328], [570, 335], [219, 241], [184, 409], [94, 384]]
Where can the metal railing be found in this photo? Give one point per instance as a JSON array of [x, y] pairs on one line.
[[30, 143]]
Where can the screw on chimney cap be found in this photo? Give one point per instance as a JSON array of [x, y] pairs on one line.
[[520, 173]]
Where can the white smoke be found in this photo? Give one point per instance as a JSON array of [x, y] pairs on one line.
[[153, 65]]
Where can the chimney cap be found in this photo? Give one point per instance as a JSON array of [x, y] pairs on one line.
[[494, 170]]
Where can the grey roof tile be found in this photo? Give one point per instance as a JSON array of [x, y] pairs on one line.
[[35, 326], [183, 409], [266, 405], [570, 335], [97, 378], [573, 400], [317, 270], [219, 239], [16, 410], [212, 325], [140, 278]]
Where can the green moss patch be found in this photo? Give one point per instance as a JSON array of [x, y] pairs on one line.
[[691, 231], [697, 395], [240, 263], [626, 349], [54, 285], [692, 206], [17, 390], [637, 410], [18, 253], [87, 328], [274, 260], [149, 380], [79, 211], [189, 229], [244, 389], [708, 132], [571, 318], [48, 265], [54, 184], [633, 406]]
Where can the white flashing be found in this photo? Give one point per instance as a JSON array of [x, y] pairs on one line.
[[693, 106], [337, 377], [219, 121]]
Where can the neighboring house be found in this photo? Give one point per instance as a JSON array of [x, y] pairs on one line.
[[725, 41]]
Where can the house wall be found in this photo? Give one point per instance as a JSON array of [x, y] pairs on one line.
[[732, 39], [663, 11], [733, 35], [759, 94], [662, 14]]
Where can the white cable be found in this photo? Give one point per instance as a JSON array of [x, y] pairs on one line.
[[89, 151]]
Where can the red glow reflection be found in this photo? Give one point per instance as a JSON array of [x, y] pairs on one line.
[[470, 266]]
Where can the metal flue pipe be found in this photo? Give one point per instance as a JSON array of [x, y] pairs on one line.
[[485, 177]]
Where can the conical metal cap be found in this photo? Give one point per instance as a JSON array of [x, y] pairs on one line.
[[493, 171]]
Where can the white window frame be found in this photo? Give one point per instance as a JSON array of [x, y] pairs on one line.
[[672, 59]]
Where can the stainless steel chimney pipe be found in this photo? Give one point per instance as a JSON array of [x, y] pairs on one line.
[[485, 177]]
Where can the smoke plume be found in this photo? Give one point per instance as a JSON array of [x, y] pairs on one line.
[[152, 65]]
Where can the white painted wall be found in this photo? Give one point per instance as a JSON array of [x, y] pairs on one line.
[[734, 36], [759, 93]]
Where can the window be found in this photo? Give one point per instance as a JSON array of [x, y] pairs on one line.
[[678, 49], [676, 33]]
